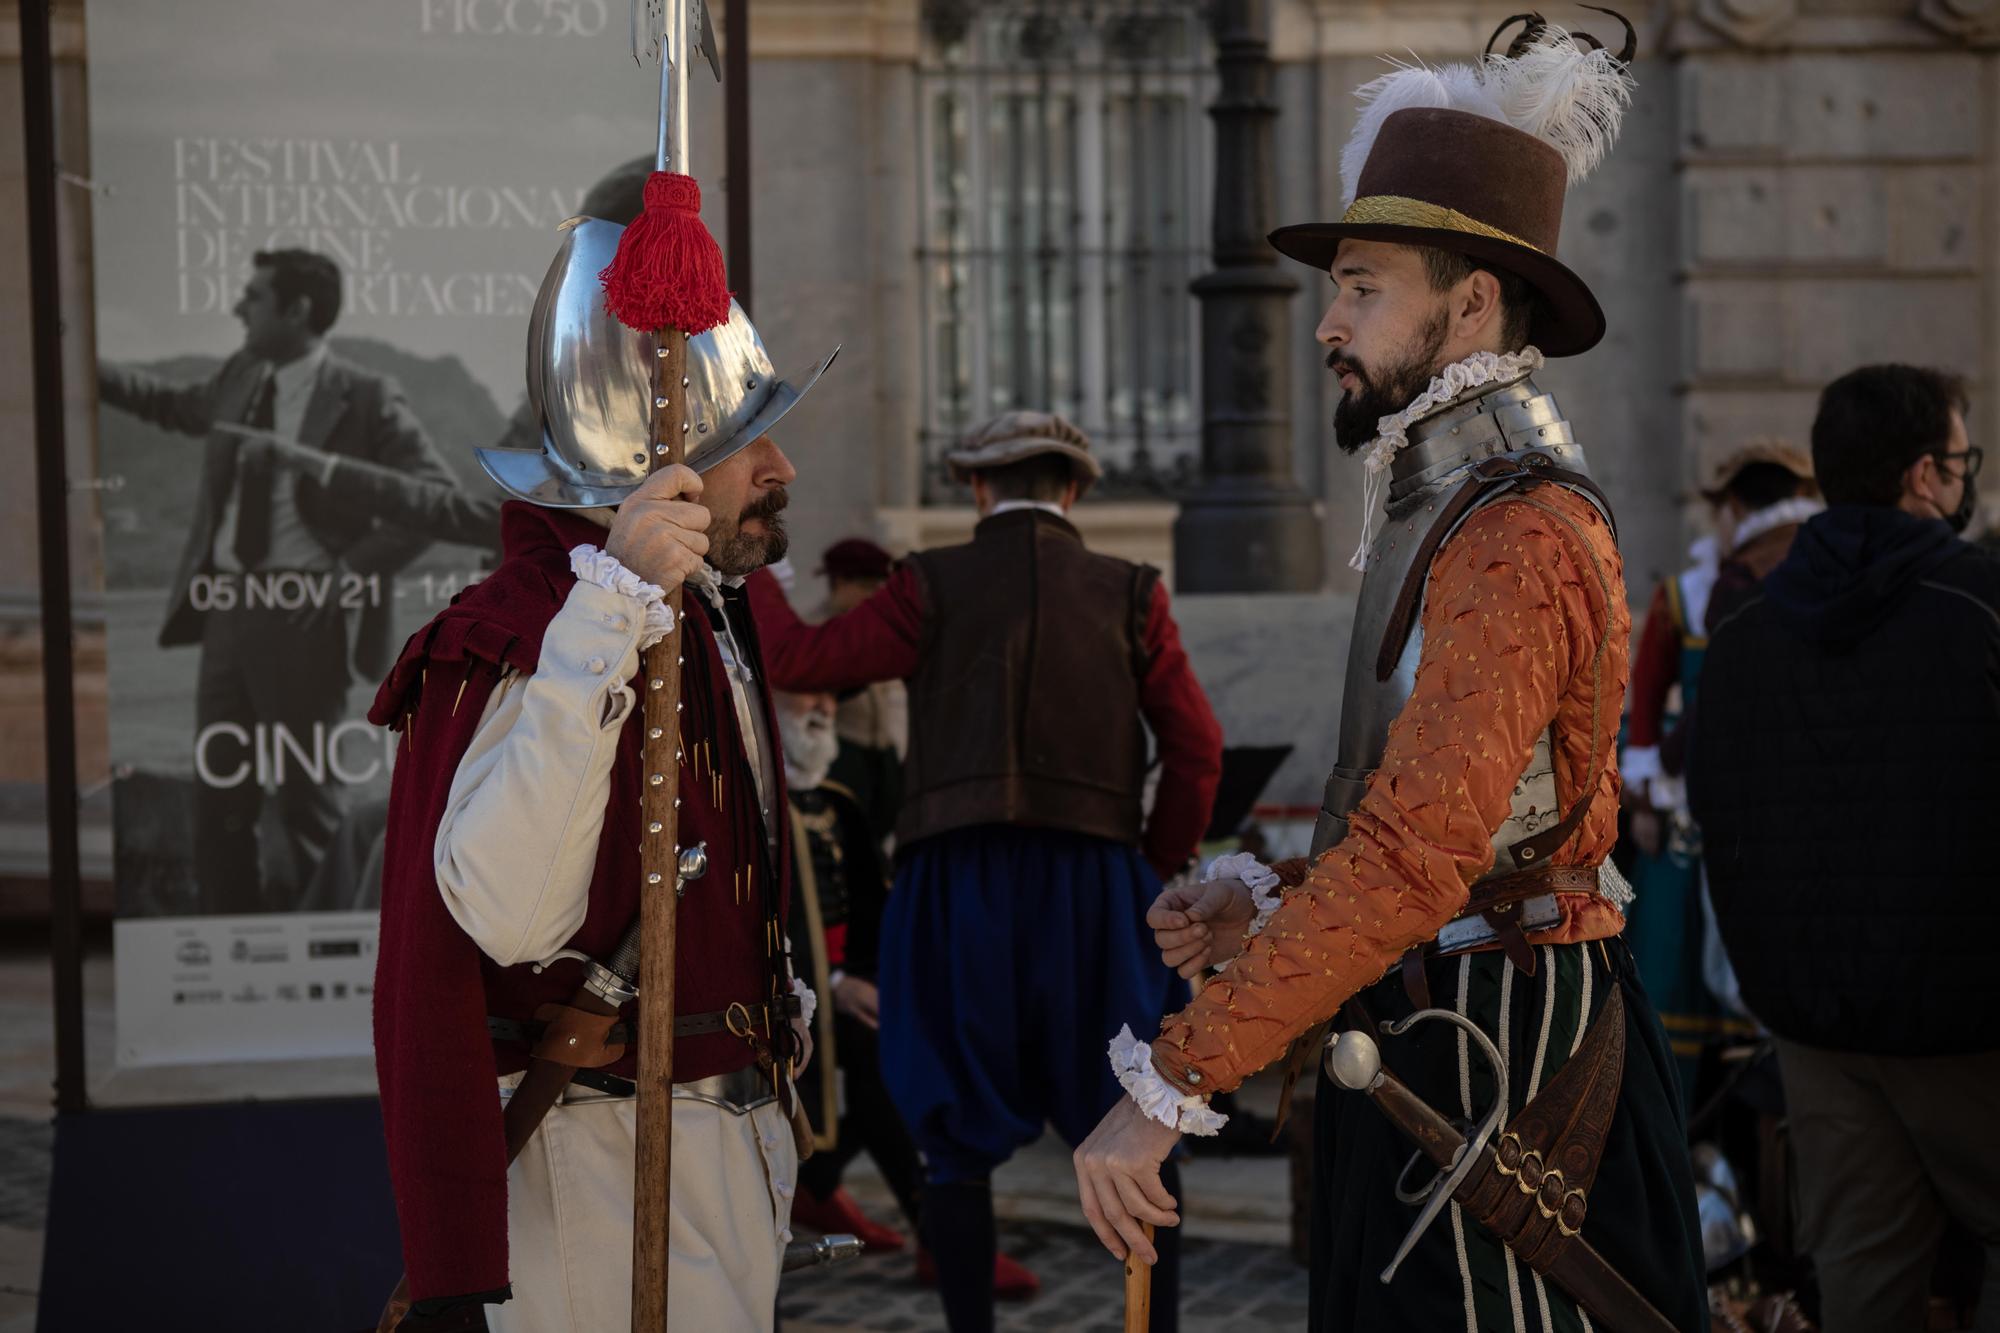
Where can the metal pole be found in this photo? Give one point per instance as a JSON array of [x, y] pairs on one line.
[[683, 55], [52, 506], [736, 151]]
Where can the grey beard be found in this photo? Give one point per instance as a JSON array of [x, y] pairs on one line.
[[739, 553], [810, 749]]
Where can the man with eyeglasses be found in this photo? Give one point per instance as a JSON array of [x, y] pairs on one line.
[[1845, 770]]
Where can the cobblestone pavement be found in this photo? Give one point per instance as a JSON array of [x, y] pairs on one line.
[[1225, 1285], [26, 1150]]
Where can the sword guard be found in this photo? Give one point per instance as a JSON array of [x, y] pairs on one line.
[[557, 957], [1354, 1060]]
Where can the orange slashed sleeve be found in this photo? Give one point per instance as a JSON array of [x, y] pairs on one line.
[[1524, 624]]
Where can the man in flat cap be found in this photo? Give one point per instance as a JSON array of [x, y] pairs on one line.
[[1015, 942]]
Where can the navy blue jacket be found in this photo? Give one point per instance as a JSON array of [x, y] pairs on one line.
[[1845, 771]]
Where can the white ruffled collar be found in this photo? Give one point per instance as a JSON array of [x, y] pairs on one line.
[[1754, 525], [1480, 370]]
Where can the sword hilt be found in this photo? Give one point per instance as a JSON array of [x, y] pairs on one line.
[[616, 979], [822, 1253], [1354, 1061]]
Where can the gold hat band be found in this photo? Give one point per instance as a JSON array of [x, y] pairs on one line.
[[1400, 211]]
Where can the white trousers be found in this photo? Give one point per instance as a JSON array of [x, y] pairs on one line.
[[569, 1218]]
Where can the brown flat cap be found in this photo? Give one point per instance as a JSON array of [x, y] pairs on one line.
[[1761, 449], [1013, 436]]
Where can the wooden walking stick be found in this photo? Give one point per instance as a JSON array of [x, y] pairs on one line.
[[667, 279], [1139, 1288]]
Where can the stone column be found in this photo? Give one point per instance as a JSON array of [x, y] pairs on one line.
[[1249, 528], [1837, 172]]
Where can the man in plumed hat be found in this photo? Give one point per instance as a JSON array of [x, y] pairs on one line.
[[1015, 941], [1457, 924]]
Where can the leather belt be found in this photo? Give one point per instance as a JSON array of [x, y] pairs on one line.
[[1501, 903], [740, 1091], [755, 1017]]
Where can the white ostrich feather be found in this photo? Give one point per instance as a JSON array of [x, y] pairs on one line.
[[1566, 95], [1562, 93], [1457, 87]]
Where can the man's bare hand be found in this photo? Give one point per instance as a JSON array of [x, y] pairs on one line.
[[660, 533], [858, 999], [1200, 925], [1118, 1179]]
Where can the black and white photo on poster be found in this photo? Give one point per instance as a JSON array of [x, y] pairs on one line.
[[319, 235]]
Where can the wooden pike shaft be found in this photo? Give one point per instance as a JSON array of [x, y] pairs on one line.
[[1139, 1289], [658, 863]]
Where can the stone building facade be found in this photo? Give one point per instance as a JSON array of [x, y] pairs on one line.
[[1000, 202]]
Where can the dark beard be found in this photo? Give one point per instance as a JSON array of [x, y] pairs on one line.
[[737, 552], [1391, 390]]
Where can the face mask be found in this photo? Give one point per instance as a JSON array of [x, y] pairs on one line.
[[1968, 505]]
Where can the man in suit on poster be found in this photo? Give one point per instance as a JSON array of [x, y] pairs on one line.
[[286, 588]]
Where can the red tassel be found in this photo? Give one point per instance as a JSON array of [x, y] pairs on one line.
[[668, 271]]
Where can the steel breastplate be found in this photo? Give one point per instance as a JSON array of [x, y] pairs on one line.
[[1513, 421]]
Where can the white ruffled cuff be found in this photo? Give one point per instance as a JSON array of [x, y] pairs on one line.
[[808, 1001], [1669, 793], [1132, 1062], [592, 565], [1639, 764], [1266, 889]]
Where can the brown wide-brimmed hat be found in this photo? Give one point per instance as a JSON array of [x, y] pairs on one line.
[[1760, 449], [1468, 183], [1013, 436]]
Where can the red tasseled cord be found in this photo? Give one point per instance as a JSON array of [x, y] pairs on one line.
[[668, 271]]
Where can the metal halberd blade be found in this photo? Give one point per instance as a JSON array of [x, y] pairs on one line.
[[649, 33]]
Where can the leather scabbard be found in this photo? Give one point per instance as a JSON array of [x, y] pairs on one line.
[[1531, 1189]]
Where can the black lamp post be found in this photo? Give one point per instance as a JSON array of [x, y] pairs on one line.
[[1248, 527]]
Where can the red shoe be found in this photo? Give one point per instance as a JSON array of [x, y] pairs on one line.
[[839, 1213], [1011, 1279]]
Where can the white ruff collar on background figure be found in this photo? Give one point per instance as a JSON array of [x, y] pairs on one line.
[[1479, 370], [1755, 524]]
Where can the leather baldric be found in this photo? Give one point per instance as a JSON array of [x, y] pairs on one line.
[[1487, 481]]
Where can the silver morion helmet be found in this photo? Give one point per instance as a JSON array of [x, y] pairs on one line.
[[590, 383]]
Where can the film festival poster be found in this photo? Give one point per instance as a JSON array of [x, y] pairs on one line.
[[426, 151]]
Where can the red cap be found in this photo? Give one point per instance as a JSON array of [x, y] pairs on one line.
[[856, 558]]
